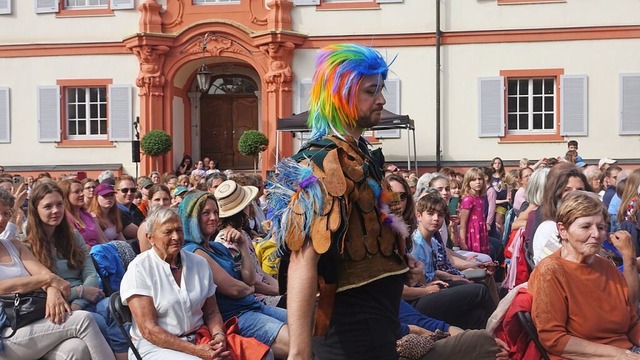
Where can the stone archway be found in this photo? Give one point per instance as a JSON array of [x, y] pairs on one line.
[[162, 55]]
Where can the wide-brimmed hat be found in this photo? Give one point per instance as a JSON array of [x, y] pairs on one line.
[[233, 198], [104, 189]]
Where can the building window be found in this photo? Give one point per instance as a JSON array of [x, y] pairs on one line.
[[86, 112], [531, 105], [203, 2], [86, 4]]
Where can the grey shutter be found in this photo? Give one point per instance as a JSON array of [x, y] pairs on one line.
[[491, 106], [304, 88], [388, 1], [120, 112], [574, 111], [629, 104], [306, 2], [5, 115], [46, 6], [392, 96], [5, 6], [122, 4], [48, 113]]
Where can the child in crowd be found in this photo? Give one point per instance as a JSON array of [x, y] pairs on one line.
[[137, 198], [573, 145], [473, 227]]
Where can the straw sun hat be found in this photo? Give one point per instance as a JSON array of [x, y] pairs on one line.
[[233, 198]]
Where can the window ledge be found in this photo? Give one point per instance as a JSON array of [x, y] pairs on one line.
[[541, 138], [84, 13], [528, 2], [348, 6], [85, 144]]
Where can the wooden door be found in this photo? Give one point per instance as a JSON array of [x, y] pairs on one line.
[[223, 119]]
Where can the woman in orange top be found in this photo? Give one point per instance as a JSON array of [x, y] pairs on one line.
[[581, 303]]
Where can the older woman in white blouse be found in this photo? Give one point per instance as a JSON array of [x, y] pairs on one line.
[[171, 294]]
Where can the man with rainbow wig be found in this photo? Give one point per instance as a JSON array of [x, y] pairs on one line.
[[330, 207]]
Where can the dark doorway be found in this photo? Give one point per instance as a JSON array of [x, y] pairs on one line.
[[227, 111]]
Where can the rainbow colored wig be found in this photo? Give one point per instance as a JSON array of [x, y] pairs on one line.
[[340, 69]]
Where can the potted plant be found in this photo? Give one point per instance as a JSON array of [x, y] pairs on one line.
[[252, 143], [156, 143]]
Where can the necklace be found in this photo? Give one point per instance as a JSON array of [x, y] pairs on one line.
[[178, 264]]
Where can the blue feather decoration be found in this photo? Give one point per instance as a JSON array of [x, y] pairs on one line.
[[294, 183]]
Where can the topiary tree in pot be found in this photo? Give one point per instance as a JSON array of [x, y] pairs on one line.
[[156, 143], [252, 143]]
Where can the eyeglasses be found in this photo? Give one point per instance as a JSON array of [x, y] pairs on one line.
[[89, 187], [127, 190]]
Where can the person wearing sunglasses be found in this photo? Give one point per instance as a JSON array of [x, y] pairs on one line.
[[130, 215]]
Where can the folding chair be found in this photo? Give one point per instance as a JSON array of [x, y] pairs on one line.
[[527, 324], [122, 315]]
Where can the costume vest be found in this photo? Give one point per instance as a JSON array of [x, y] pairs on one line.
[[339, 202]]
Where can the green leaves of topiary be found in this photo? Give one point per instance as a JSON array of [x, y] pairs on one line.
[[156, 143], [252, 143]]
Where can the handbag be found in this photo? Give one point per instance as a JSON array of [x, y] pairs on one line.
[[23, 309]]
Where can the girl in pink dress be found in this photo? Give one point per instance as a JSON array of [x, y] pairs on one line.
[[473, 228]]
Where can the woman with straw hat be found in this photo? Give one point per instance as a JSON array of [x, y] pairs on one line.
[[235, 276]]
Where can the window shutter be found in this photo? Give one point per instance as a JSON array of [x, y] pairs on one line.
[[574, 112], [304, 88], [46, 6], [120, 113], [48, 113], [388, 1], [306, 2], [629, 104], [491, 106], [5, 115], [5, 6], [122, 4], [392, 96]]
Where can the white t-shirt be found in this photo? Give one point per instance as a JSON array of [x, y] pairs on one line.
[[546, 232], [178, 309]]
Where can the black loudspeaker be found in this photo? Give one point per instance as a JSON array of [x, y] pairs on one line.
[[135, 151]]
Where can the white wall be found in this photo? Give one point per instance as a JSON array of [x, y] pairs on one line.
[[23, 75], [28, 27]]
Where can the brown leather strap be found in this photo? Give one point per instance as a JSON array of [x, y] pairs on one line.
[[325, 307]]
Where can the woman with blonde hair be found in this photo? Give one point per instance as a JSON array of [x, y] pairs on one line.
[[628, 206]]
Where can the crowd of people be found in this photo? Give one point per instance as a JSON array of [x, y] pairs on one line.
[[337, 256]]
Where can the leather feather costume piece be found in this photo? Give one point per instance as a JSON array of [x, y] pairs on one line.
[[333, 195]]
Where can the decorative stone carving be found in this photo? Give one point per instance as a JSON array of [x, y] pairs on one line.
[[150, 20], [279, 75], [150, 78]]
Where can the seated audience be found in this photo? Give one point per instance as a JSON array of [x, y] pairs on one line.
[[438, 294], [171, 294], [159, 195], [199, 213], [61, 249], [130, 215], [581, 306], [77, 337], [78, 216], [104, 208]]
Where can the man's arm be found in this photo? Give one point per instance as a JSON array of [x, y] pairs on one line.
[[302, 287]]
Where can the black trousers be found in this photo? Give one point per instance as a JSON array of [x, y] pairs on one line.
[[462, 304]]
